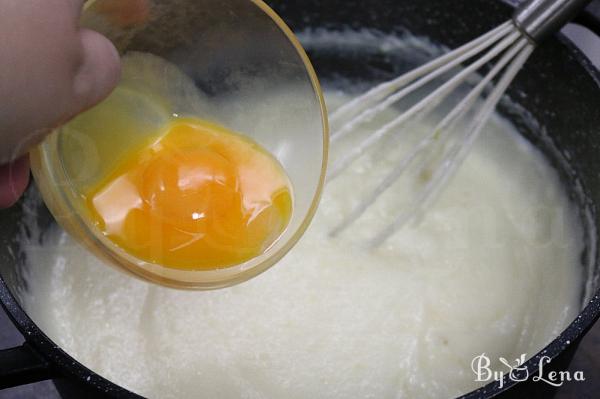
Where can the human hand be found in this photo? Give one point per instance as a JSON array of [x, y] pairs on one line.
[[50, 70]]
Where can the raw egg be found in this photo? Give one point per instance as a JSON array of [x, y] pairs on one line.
[[200, 197]]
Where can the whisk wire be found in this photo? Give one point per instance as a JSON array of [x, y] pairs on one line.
[[367, 105], [460, 150], [423, 106], [379, 92], [440, 132]]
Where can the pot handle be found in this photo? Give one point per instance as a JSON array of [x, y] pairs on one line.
[[590, 17], [23, 365]]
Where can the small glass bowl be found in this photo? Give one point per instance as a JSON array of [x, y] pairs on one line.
[[233, 50]]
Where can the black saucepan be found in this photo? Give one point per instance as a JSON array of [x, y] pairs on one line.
[[558, 92]]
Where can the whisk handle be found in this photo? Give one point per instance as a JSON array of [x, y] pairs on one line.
[[538, 19]]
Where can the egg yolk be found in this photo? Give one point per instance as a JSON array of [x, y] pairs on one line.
[[201, 197]]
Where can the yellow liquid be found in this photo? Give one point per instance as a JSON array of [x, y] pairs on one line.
[[200, 197]]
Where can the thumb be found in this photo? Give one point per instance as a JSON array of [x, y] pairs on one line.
[[96, 75], [98, 72]]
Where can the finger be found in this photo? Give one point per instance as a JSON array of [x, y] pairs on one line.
[[14, 178], [98, 73]]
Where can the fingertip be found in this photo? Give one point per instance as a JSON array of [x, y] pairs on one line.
[[14, 178], [99, 71]]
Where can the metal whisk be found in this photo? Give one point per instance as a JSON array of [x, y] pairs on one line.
[[509, 45]]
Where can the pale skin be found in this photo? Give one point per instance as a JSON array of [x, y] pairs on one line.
[[50, 70]]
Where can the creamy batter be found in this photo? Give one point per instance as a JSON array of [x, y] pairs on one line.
[[493, 267]]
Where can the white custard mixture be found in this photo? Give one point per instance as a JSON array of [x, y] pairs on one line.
[[493, 267]]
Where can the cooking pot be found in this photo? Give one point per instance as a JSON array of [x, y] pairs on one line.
[[554, 102]]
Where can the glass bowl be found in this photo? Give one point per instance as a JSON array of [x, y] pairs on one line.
[[254, 77]]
